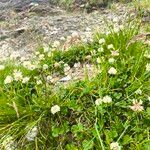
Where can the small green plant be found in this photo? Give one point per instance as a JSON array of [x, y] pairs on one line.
[[46, 103]]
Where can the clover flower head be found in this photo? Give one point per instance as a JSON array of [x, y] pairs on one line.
[[41, 57], [77, 65], [49, 78], [8, 79], [30, 136], [45, 66], [114, 53], [55, 109], [101, 49], [112, 71], [137, 106], [98, 60], [66, 68], [9, 143], [25, 79], [17, 75], [101, 41], [115, 146], [98, 102], [111, 46], [138, 91], [2, 67], [148, 67], [107, 99], [111, 60], [38, 82]]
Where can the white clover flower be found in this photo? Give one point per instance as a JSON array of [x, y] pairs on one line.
[[114, 53], [101, 49], [147, 54], [101, 41], [107, 99], [88, 57], [148, 67], [45, 66], [98, 102], [66, 68], [17, 75], [55, 109], [9, 143], [56, 44], [49, 78], [148, 98], [30, 136], [98, 60], [26, 63], [49, 54], [38, 82], [93, 52], [2, 67], [25, 79], [137, 106], [41, 57], [121, 27], [116, 29], [108, 32], [56, 64], [37, 53], [111, 60], [115, 146], [46, 49], [29, 65], [112, 71], [139, 91], [77, 65], [110, 46], [8, 79]]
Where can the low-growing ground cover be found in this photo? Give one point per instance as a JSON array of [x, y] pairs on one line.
[[92, 95]]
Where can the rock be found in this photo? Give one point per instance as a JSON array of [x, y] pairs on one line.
[[42, 22]]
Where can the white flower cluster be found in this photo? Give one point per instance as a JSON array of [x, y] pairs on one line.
[[105, 99], [110, 46], [137, 106], [115, 146], [29, 65], [112, 71], [148, 67], [2, 67], [30, 136], [8, 80], [66, 68], [9, 144], [55, 109], [102, 41], [111, 60], [45, 66], [17, 76], [138, 91]]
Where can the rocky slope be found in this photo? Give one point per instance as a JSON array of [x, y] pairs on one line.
[[24, 25]]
